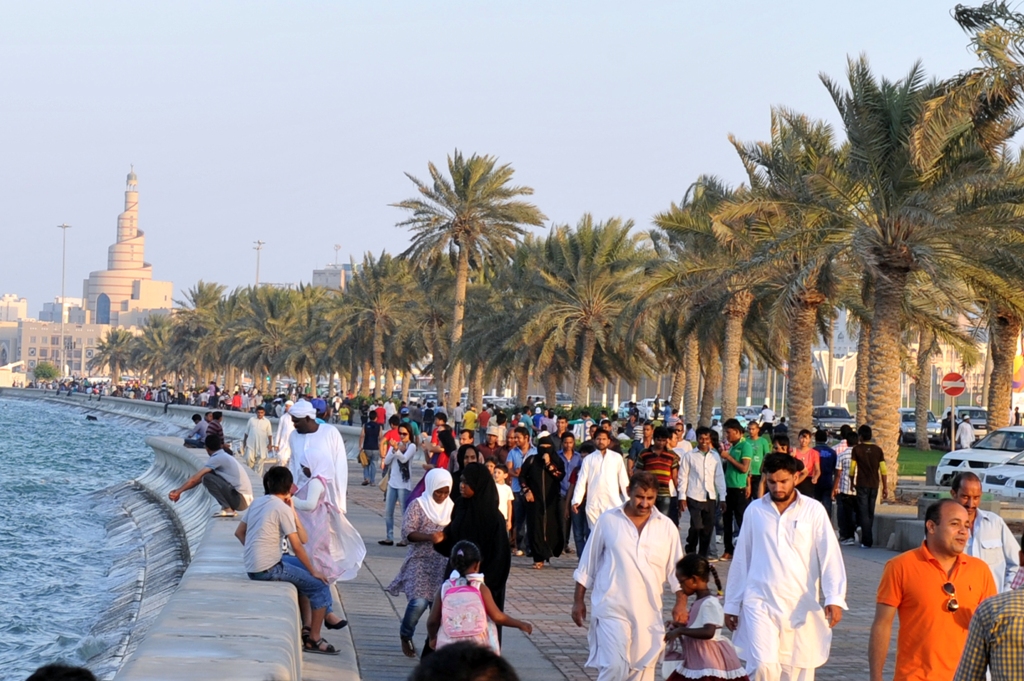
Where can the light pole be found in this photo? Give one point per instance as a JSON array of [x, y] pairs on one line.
[[258, 247], [337, 247], [63, 261]]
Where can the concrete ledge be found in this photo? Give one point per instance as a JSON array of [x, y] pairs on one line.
[[884, 528], [219, 624], [908, 535]]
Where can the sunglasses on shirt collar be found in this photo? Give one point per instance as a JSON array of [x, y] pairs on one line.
[[951, 605]]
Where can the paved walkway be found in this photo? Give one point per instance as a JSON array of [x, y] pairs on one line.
[[558, 648]]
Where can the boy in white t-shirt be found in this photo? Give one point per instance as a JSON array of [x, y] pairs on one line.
[[505, 496]]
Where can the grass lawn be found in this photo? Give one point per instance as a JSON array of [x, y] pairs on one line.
[[913, 461]]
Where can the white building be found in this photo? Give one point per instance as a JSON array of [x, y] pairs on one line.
[[127, 285], [71, 309], [13, 308], [334, 277]]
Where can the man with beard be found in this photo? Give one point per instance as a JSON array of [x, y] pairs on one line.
[[786, 551], [632, 552]]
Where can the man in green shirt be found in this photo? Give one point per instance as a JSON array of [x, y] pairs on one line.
[[760, 448], [737, 466]]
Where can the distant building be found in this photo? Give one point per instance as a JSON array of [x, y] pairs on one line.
[[127, 285], [13, 308], [334, 277], [33, 341], [71, 309]]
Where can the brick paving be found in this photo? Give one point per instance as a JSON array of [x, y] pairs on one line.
[[544, 598]]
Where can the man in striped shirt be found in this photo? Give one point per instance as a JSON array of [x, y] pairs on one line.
[[660, 460], [844, 493]]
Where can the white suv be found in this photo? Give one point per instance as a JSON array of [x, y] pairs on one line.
[[995, 449]]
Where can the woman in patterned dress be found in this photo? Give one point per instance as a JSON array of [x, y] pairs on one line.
[[423, 568]]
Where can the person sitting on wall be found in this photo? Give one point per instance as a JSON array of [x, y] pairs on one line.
[[223, 477], [270, 519], [197, 437]]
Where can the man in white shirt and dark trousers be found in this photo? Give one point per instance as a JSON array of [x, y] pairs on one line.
[[701, 485], [602, 480], [990, 538]]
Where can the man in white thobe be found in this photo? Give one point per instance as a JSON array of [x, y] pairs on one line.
[[990, 539], [285, 428], [258, 439], [632, 552], [965, 436], [602, 479], [785, 553], [310, 435]]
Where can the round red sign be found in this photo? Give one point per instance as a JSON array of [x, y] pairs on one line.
[[953, 384]]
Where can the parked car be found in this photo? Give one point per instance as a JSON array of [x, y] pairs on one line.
[[979, 419], [716, 415], [831, 419], [623, 410], [1006, 479], [995, 449], [563, 400], [908, 427]]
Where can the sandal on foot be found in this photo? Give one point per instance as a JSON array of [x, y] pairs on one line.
[[340, 625], [386, 542], [402, 543], [321, 647], [408, 647]]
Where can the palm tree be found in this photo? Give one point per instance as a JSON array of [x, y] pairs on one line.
[[473, 217], [152, 351], [714, 250], [587, 278], [800, 251], [374, 304], [194, 322], [115, 352], [906, 215]]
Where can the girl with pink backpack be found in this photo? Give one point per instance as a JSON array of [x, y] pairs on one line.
[[464, 609]]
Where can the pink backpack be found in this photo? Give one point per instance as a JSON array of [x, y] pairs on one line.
[[463, 616]]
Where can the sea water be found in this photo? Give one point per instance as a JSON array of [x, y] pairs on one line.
[[54, 557]]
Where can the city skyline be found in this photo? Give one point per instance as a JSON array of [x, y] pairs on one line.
[[294, 126]]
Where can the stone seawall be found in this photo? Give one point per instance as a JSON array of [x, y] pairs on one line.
[[213, 623]]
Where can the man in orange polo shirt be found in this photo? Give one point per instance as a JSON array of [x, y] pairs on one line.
[[935, 588]]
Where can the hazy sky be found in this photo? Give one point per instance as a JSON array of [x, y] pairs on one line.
[[294, 122]]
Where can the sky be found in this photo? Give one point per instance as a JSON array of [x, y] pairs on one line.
[[294, 123]]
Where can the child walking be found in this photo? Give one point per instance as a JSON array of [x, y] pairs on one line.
[[467, 610], [707, 655]]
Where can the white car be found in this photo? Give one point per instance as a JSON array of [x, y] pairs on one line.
[[996, 449], [1005, 480]]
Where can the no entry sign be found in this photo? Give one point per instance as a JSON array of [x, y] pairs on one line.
[[953, 384]]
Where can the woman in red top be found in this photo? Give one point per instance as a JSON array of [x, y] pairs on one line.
[[812, 464]]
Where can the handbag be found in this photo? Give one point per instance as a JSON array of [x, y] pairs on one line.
[[383, 484], [364, 458]]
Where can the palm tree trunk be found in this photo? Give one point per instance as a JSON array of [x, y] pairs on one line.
[[861, 377], [1004, 330], [800, 387], [364, 379], [732, 348], [923, 387], [461, 282], [389, 387], [884, 368], [582, 393], [378, 359], [476, 385], [522, 386], [691, 364], [550, 389], [678, 386], [712, 377], [406, 380]]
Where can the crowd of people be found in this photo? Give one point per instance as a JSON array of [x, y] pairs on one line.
[[464, 491]]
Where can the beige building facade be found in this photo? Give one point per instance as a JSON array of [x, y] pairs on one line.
[[31, 342], [13, 308], [116, 295]]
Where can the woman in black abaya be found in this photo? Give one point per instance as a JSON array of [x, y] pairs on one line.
[[541, 479]]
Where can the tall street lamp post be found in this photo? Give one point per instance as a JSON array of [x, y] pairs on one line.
[[63, 311], [258, 247]]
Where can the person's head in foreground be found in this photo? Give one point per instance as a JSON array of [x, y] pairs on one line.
[[63, 672], [779, 471], [278, 480], [464, 662], [946, 528], [643, 492]]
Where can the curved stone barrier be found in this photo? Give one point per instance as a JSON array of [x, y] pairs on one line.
[[219, 624]]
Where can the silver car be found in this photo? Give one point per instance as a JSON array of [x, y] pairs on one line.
[[908, 427]]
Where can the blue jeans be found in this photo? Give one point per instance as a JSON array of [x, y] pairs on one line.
[[291, 570], [394, 495], [519, 520], [413, 612], [580, 529], [370, 470]]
